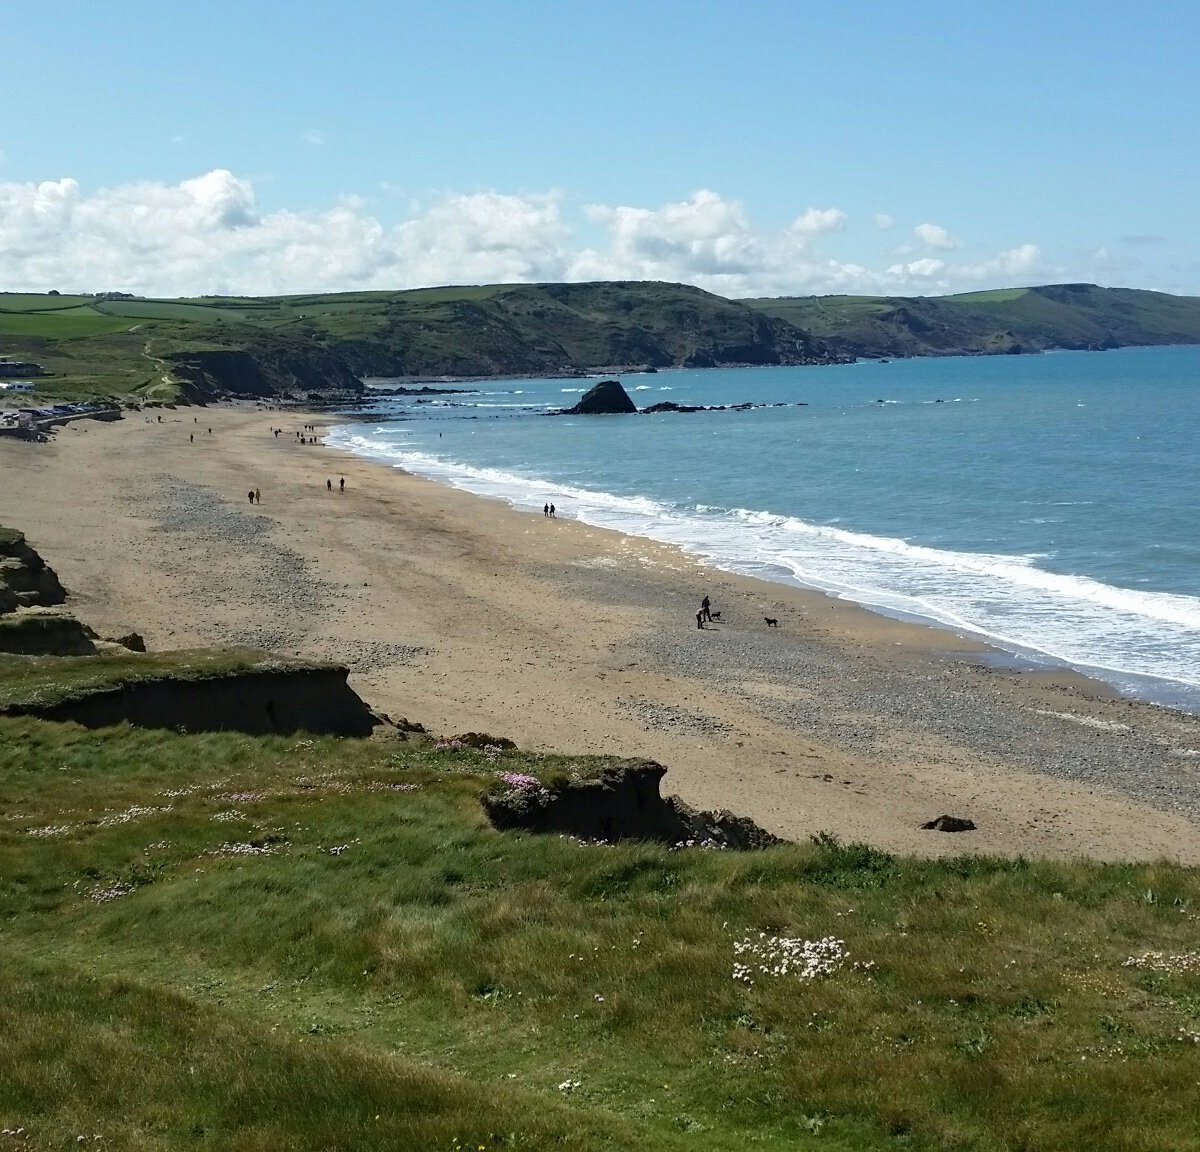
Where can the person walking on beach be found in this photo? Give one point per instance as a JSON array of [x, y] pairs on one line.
[[341, 483], [257, 496], [551, 511], [706, 608], [328, 485], [700, 619], [545, 509], [191, 438], [251, 495]]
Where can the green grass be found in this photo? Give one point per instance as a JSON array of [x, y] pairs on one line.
[[447, 978], [62, 325], [49, 679], [40, 302], [96, 347]]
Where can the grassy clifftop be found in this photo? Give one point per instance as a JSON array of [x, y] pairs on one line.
[[319, 345], [222, 941], [1009, 320], [297, 345]]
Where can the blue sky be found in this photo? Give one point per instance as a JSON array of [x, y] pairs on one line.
[[750, 148]]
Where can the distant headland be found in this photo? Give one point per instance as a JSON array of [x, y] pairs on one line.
[[319, 348]]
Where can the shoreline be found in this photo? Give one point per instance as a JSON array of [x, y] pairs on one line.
[[1146, 687], [464, 613]]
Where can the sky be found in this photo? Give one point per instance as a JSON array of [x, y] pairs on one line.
[[750, 148]]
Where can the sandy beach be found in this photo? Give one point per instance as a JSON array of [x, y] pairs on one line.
[[464, 614]]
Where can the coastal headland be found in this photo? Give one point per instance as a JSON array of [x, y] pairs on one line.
[[464, 614]]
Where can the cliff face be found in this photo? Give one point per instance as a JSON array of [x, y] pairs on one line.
[[257, 702], [26, 580], [299, 370], [1068, 316]]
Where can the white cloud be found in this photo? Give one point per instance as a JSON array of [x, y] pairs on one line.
[[917, 269], [314, 137], [883, 221], [209, 234], [936, 236], [817, 221]]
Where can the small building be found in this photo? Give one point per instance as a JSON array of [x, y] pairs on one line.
[[12, 368]]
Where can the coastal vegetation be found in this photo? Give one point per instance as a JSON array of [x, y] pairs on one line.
[[317, 347], [1005, 321], [216, 940]]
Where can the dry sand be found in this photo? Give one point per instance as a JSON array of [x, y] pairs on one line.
[[465, 614]]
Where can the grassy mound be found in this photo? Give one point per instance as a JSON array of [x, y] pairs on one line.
[[218, 941], [53, 680]]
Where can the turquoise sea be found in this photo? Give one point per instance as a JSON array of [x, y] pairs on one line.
[[1046, 504]]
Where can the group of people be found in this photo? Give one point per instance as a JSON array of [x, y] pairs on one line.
[[705, 614], [548, 510], [255, 496], [301, 437], [341, 484]]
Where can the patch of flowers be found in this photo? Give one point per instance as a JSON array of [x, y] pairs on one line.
[[449, 745], [520, 780], [339, 849], [228, 849], [228, 815], [705, 843], [103, 893], [133, 812], [570, 1085], [192, 789], [765, 955], [49, 830], [1165, 962]]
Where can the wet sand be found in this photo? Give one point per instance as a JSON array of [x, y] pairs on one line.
[[464, 614]]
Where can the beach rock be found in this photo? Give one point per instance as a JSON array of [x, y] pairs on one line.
[[38, 633], [131, 640], [608, 398], [622, 803], [950, 824], [24, 576]]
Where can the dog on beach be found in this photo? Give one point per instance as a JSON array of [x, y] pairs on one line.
[[771, 621], [714, 615]]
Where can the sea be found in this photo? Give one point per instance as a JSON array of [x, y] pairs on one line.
[[1045, 504]]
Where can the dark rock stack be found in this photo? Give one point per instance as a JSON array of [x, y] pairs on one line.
[[608, 398]]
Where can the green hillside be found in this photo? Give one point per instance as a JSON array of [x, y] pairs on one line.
[[320, 345], [1003, 321], [296, 345], [216, 941]]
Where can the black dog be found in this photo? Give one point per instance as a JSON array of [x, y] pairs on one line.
[[714, 615], [771, 621]]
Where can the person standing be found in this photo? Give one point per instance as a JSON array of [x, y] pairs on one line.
[[706, 608]]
